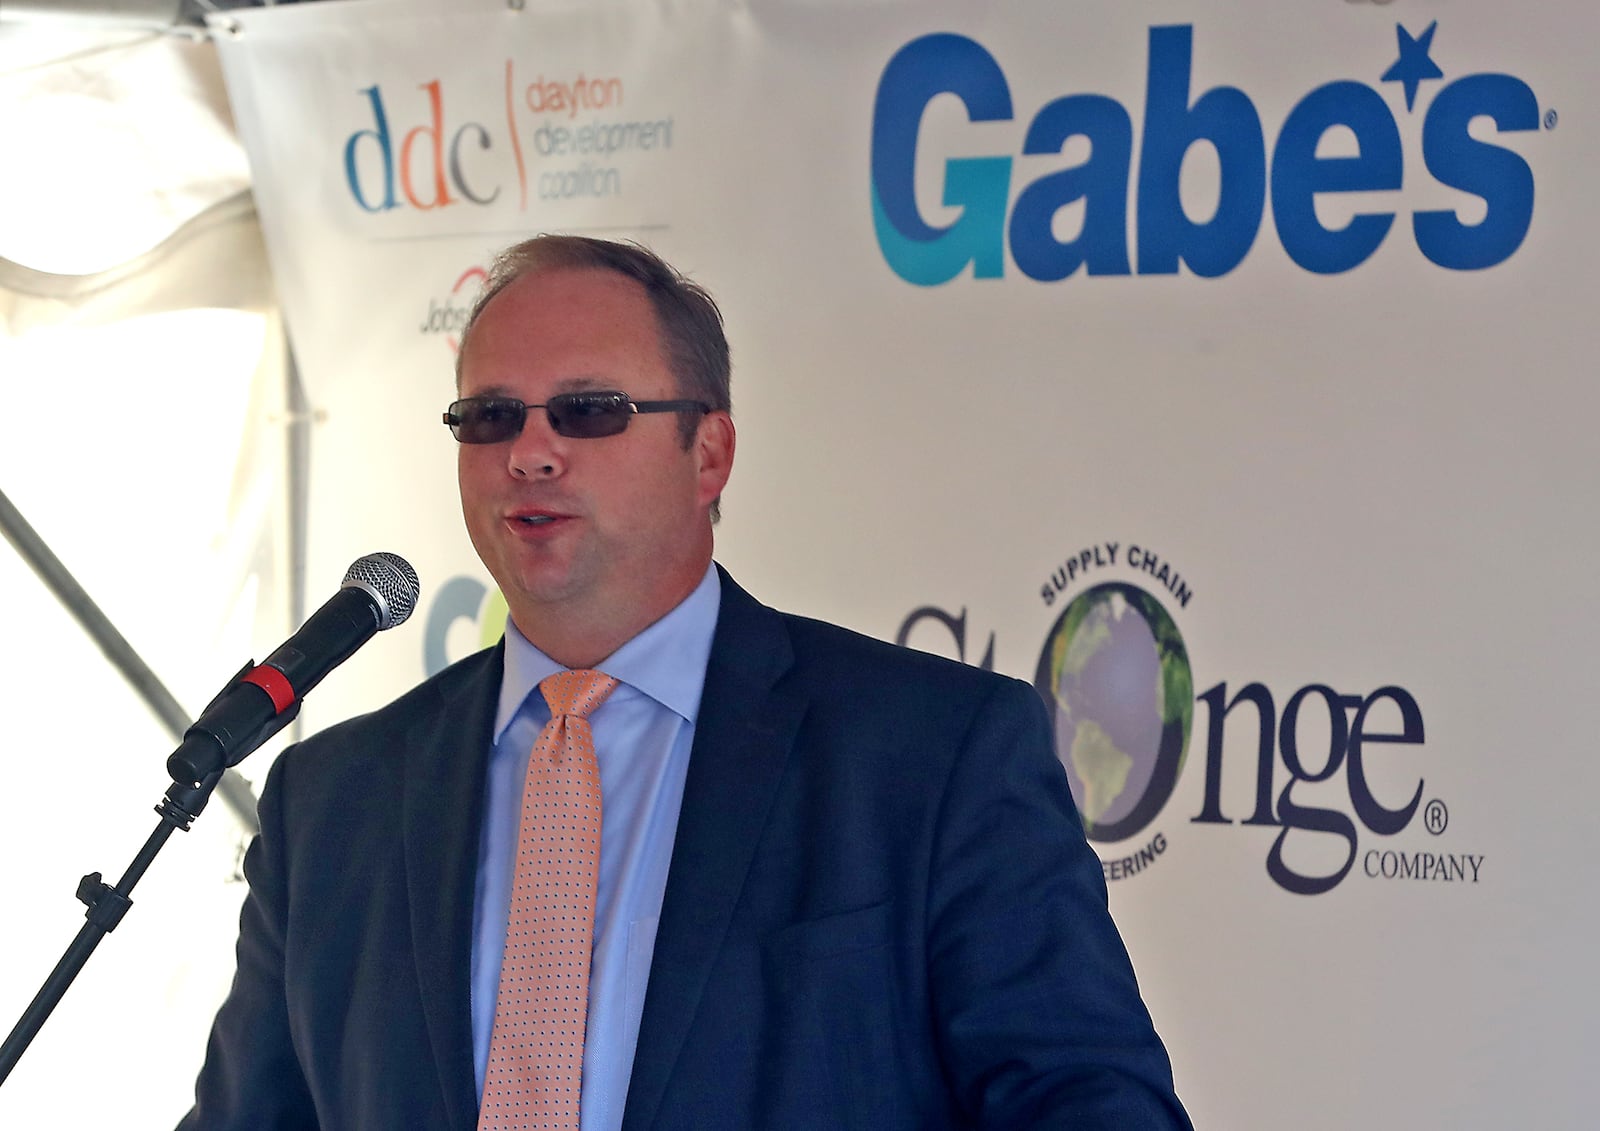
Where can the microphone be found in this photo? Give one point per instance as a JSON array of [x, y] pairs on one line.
[[379, 591]]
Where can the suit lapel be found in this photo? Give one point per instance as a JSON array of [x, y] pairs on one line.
[[446, 762], [743, 737]]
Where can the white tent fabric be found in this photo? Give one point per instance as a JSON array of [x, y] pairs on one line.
[[142, 393]]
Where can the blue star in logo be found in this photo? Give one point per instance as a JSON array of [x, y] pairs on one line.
[[1413, 65]]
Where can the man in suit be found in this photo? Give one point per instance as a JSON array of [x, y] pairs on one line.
[[838, 884]]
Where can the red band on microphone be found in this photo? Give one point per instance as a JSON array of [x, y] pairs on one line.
[[274, 683]]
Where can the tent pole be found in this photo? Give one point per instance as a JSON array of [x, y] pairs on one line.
[[234, 790], [298, 438]]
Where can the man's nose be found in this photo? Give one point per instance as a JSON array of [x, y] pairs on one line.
[[537, 452]]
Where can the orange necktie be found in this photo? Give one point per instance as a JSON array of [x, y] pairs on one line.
[[535, 1073]]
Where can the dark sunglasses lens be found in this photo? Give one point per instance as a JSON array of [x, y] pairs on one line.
[[488, 420], [588, 416]]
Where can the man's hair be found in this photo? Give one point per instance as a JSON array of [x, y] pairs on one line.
[[687, 317]]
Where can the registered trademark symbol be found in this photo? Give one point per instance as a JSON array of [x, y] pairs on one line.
[[1550, 119], [1436, 817]]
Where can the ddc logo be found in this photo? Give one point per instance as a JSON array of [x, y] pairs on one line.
[[1226, 119]]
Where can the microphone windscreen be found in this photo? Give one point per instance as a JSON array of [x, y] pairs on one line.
[[391, 580]]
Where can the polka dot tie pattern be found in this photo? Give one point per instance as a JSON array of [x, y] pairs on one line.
[[535, 1073]]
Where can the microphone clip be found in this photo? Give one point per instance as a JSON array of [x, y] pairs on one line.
[[232, 726]]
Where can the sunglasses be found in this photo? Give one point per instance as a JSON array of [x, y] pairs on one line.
[[578, 416]]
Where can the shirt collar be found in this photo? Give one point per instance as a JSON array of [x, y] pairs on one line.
[[667, 661]]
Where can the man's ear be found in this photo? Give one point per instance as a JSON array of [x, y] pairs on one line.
[[713, 446]]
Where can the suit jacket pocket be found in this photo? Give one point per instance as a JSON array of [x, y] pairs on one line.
[[834, 1013], [865, 928]]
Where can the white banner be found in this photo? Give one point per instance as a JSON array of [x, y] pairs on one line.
[[1222, 367]]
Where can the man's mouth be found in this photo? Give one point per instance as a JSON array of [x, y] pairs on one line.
[[536, 519]]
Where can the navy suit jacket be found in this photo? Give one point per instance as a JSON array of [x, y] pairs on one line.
[[880, 913]]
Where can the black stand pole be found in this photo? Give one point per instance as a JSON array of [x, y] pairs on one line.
[[107, 905], [182, 803]]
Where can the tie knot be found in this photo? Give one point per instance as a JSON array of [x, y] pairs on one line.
[[576, 692]]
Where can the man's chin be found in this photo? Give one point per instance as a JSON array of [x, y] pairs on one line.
[[546, 589]]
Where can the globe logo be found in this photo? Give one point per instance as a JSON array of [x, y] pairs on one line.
[[1115, 677]]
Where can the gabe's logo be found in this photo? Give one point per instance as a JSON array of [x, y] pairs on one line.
[[1300, 172]]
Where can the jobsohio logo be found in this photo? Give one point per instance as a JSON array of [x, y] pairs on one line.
[[447, 313], [1335, 780], [1310, 160]]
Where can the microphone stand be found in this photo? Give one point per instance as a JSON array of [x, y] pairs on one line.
[[178, 808]]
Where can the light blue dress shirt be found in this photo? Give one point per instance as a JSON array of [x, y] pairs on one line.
[[642, 735]]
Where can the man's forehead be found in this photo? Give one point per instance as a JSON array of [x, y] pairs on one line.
[[577, 383], [559, 287], [563, 320], [569, 305]]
